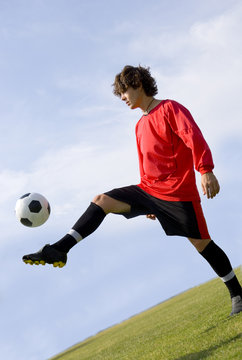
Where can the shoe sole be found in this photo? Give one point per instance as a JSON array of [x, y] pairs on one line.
[[59, 264], [235, 313]]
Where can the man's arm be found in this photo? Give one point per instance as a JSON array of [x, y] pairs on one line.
[[184, 126], [210, 185]]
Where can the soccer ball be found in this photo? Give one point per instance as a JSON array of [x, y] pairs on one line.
[[32, 209]]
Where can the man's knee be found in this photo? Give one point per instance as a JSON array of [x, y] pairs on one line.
[[105, 202], [110, 205], [100, 200], [199, 244]]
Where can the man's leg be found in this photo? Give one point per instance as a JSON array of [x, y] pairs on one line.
[[110, 205], [90, 220], [220, 263]]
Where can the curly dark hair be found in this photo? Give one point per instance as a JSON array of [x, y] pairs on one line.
[[134, 77]]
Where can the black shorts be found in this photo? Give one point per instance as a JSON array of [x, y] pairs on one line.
[[183, 218]]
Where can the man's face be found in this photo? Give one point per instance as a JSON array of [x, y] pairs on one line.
[[133, 97]]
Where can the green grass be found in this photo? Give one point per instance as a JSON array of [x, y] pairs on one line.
[[194, 325]]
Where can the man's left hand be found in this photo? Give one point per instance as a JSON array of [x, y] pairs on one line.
[[210, 185]]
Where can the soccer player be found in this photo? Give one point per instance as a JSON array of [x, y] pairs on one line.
[[170, 144]]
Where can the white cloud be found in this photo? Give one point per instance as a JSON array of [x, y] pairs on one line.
[[200, 68], [69, 177]]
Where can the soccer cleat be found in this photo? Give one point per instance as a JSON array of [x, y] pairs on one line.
[[236, 305], [48, 254]]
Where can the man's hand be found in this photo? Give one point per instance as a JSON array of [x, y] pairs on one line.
[[151, 216], [210, 185]]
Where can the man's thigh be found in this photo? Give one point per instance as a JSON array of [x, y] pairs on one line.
[[111, 205], [132, 201], [182, 218]]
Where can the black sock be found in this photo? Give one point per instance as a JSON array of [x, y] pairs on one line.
[[220, 263], [87, 224]]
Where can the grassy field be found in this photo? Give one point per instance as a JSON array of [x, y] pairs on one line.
[[191, 326]]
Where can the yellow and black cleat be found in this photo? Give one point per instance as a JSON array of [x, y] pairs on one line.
[[34, 262], [47, 255], [59, 264], [30, 262]]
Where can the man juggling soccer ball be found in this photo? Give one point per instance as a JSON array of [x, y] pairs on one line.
[[170, 145]]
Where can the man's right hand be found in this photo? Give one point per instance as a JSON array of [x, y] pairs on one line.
[[151, 216]]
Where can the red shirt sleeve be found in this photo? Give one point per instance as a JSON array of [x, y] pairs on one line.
[[184, 126]]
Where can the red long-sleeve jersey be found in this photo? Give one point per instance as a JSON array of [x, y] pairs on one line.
[[170, 145]]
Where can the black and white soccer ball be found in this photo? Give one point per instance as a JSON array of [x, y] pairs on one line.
[[32, 209]]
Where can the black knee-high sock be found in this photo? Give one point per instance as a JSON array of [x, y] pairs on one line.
[[86, 225], [221, 265]]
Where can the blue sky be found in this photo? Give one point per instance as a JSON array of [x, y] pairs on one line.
[[65, 135]]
